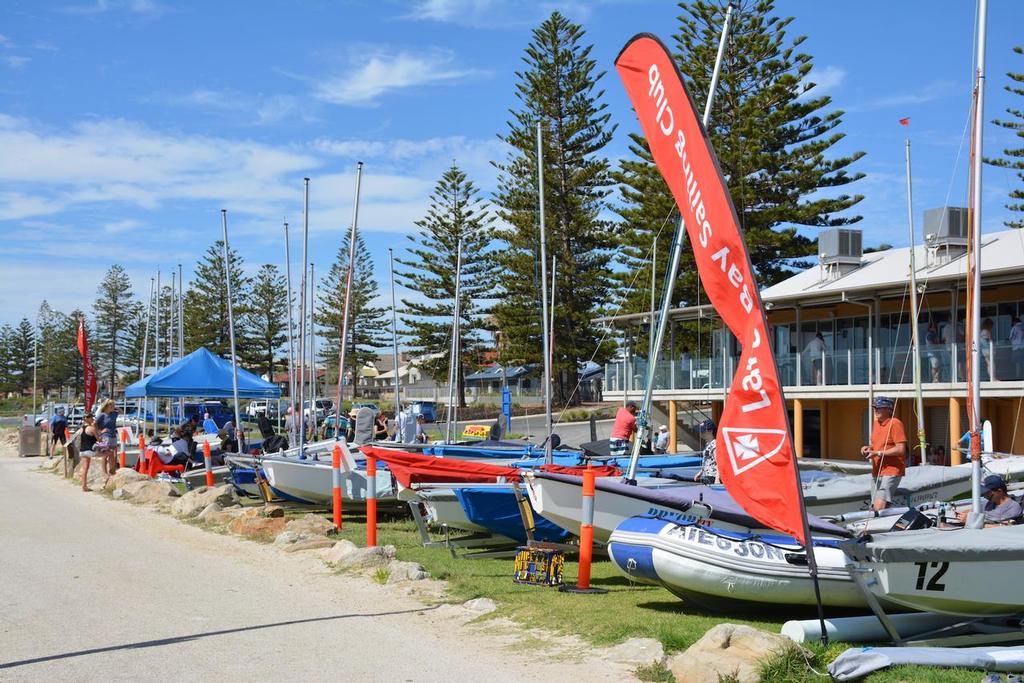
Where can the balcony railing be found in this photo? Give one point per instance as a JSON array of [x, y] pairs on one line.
[[849, 367]]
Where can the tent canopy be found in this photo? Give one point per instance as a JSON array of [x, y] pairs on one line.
[[200, 374]]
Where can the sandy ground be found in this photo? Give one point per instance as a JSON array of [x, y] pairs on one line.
[[98, 589]]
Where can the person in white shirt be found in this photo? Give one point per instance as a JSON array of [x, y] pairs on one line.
[[814, 350], [1016, 340], [661, 440]]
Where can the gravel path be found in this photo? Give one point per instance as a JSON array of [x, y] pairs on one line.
[[97, 589]]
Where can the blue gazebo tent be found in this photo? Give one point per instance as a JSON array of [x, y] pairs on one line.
[[201, 374]]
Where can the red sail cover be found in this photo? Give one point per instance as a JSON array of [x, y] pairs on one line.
[[755, 453], [90, 375], [413, 468]]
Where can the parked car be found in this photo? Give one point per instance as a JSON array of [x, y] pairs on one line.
[[323, 406], [366, 404], [267, 407], [428, 409]]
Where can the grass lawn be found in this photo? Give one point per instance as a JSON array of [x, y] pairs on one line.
[[628, 610]]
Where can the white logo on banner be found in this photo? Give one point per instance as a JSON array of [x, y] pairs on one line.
[[745, 449]]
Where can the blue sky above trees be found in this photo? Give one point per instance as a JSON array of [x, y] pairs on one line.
[[126, 125]]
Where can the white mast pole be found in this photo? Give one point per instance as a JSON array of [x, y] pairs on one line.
[[977, 519], [670, 275], [454, 360], [291, 324], [915, 342], [312, 347], [156, 351], [544, 296], [181, 327], [343, 341], [239, 432], [145, 350], [299, 374], [394, 335]]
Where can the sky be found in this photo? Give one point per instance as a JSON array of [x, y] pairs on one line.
[[126, 125]]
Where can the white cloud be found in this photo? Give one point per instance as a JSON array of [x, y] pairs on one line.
[[825, 80], [497, 13], [928, 93], [146, 8], [15, 61], [4, 40], [372, 73], [124, 225], [257, 109]]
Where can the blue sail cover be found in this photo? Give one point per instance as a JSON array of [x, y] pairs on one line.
[[201, 374], [497, 511]]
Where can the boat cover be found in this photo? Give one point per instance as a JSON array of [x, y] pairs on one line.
[[412, 468], [859, 485], [498, 511], [858, 662], [992, 544], [682, 498]]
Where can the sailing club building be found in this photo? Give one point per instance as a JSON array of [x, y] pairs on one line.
[[841, 334]]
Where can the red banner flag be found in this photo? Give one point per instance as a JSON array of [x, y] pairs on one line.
[[905, 122], [90, 376], [754, 449]]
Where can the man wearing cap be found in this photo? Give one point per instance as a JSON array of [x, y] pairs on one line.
[[623, 429], [708, 473], [999, 508], [58, 429], [887, 452], [661, 440]]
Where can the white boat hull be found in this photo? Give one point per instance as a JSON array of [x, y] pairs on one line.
[[312, 481], [716, 569]]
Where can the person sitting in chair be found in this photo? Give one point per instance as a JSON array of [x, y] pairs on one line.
[[999, 508], [176, 453]]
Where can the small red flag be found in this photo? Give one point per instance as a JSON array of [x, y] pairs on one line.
[[905, 122]]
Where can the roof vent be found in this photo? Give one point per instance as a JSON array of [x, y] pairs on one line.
[[840, 251], [945, 234]]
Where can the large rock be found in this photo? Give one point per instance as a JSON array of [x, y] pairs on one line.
[[638, 652], [196, 500], [309, 544], [257, 528], [480, 605], [310, 525], [345, 555], [729, 650], [406, 571], [149, 491], [122, 477], [209, 513]]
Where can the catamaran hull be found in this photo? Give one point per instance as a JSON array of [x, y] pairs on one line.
[[721, 570], [312, 481]]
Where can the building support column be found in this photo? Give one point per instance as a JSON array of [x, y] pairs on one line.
[[824, 428], [798, 427], [955, 430], [672, 427]]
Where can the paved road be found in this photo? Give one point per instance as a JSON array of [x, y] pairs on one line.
[[97, 589]]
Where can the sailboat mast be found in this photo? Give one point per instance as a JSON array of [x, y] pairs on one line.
[[343, 341], [673, 271], [915, 340], [299, 375], [976, 519], [239, 431], [291, 322], [394, 335], [548, 457], [312, 347], [456, 354]]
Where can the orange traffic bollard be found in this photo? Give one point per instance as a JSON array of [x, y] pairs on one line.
[[586, 538], [122, 454], [208, 463], [371, 501], [336, 489], [140, 464]]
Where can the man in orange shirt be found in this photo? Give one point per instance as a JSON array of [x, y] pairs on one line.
[[887, 451], [623, 429]]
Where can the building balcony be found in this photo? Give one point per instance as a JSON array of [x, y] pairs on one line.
[[829, 373]]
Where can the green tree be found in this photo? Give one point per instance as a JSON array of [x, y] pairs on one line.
[[114, 311], [59, 362], [367, 324], [206, 303], [558, 88], [455, 213], [1013, 157], [266, 323], [16, 349]]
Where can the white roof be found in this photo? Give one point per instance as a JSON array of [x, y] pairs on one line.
[[1002, 253]]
